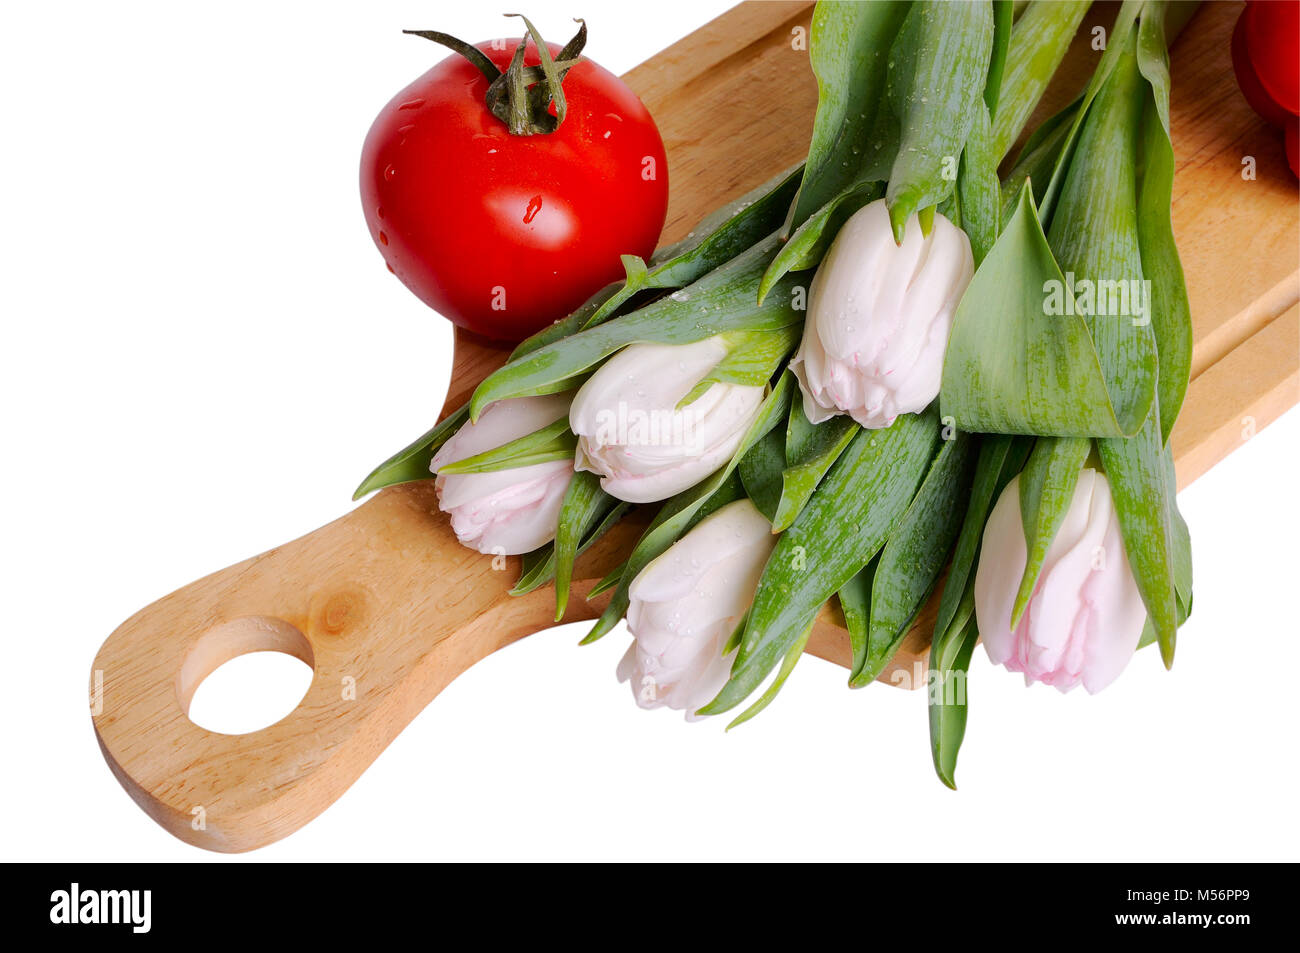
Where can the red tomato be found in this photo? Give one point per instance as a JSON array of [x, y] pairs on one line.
[[1273, 39], [504, 234], [1248, 77]]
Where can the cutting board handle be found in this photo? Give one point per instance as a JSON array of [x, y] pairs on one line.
[[385, 606]]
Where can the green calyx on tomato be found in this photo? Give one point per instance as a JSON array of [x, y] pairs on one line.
[[521, 96]]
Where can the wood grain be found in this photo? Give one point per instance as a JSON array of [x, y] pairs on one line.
[[388, 608]]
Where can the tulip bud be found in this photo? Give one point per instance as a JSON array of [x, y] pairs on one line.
[[1085, 617], [504, 512], [878, 318], [631, 431], [687, 602]]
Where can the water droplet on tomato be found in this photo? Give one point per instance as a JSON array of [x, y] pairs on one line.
[[390, 268], [379, 212], [389, 173], [383, 238], [412, 104], [534, 206]]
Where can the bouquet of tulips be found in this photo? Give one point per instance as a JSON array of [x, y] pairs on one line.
[[884, 364]]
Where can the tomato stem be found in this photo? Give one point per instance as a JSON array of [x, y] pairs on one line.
[[471, 53], [521, 96]]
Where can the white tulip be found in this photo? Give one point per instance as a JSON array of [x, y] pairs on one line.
[[504, 512], [878, 318], [687, 602], [1085, 618], [631, 432]]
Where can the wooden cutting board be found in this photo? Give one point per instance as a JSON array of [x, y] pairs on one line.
[[388, 608]]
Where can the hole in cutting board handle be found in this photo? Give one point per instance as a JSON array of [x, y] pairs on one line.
[[259, 690]]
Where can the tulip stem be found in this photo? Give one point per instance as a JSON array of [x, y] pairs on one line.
[[1039, 40]]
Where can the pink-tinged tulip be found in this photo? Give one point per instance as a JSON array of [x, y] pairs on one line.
[[504, 512], [1085, 617], [878, 318], [687, 602], [631, 431]]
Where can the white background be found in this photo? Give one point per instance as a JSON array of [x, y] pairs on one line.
[[202, 355]]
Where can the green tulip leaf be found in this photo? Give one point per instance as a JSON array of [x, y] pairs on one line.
[[411, 463], [791, 659], [1000, 458], [1144, 504], [810, 450], [938, 69], [1039, 41], [1046, 491], [850, 45], [855, 603], [760, 472], [608, 582], [955, 634], [1170, 313], [1039, 157], [555, 441], [585, 504], [726, 233], [846, 522], [539, 566], [1003, 23], [917, 549], [1011, 368], [978, 190], [751, 360], [1120, 44], [717, 239], [1094, 235], [1182, 542], [810, 241], [946, 682], [1182, 558], [721, 301]]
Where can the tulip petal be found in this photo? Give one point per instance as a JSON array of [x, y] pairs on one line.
[[676, 516], [634, 433], [509, 511], [501, 423], [496, 516], [685, 603], [1085, 617], [878, 318]]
